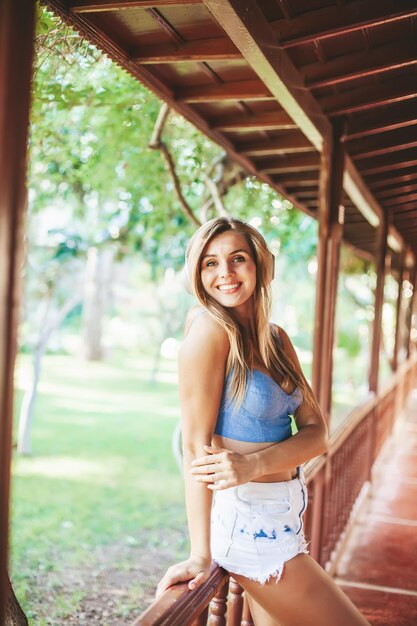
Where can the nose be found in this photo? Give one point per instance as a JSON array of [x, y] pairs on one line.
[[225, 269]]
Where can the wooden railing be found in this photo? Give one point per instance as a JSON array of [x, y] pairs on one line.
[[335, 482]]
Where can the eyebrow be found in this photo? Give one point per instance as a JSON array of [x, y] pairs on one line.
[[230, 253]]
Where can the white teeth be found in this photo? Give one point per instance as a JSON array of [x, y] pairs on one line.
[[228, 287]]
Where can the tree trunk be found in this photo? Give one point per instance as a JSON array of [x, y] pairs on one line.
[[28, 402], [96, 293], [14, 612]]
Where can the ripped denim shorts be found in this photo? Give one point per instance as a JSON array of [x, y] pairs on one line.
[[257, 527]]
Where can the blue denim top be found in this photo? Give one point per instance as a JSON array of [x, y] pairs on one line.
[[264, 414]]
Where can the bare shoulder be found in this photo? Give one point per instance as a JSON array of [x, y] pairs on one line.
[[282, 335], [204, 335], [287, 346]]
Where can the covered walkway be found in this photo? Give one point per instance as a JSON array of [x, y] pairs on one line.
[[317, 99], [377, 568]]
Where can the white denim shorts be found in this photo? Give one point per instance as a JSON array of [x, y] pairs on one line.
[[257, 527]]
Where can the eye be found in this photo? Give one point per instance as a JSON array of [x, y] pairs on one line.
[[239, 258], [210, 263]]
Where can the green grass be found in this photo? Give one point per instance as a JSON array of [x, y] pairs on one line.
[[101, 468]]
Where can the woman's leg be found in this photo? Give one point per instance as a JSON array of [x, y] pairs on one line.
[[305, 594], [259, 616]]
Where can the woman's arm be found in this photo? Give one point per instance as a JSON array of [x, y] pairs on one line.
[[233, 468], [202, 362], [311, 439]]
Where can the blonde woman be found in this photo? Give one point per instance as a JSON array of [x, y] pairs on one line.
[[240, 381]]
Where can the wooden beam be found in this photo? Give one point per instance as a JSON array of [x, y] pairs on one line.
[[271, 120], [17, 24], [95, 6], [388, 149], [360, 195], [394, 141], [396, 191], [309, 187], [359, 65], [306, 195], [371, 96], [405, 210], [380, 164], [287, 144], [292, 163], [397, 115], [388, 181], [334, 21], [381, 247], [248, 28], [215, 49], [301, 179], [399, 200], [236, 90]]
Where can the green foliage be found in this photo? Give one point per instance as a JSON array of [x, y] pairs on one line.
[[102, 471]]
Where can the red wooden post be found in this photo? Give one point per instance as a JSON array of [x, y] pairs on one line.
[[219, 607], [235, 608], [382, 235], [331, 217], [17, 24], [398, 310], [409, 314]]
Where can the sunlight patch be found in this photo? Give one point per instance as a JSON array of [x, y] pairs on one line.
[[68, 468]]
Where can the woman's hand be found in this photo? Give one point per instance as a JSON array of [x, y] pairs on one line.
[[195, 569], [223, 468]]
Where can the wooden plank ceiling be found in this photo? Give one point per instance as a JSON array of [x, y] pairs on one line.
[[267, 79]]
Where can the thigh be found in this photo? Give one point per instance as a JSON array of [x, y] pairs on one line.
[[305, 594], [260, 617]]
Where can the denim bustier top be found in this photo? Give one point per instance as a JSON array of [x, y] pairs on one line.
[[264, 414]]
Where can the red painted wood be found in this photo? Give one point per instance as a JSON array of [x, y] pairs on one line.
[[17, 21], [235, 609], [218, 606], [379, 296], [335, 20]]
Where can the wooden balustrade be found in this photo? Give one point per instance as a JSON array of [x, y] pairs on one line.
[[334, 483]]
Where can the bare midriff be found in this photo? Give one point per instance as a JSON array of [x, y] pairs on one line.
[[247, 447]]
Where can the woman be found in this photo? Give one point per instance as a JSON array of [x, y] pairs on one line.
[[240, 380]]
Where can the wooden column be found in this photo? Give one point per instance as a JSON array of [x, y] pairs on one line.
[[409, 314], [381, 252], [17, 23], [398, 310], [331, 217]]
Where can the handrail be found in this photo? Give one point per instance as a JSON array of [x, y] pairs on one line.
[[187, 602], [357, 442]]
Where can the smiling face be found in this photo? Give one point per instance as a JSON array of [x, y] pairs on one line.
[[228, 271]]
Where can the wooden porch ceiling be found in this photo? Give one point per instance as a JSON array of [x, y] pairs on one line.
[[267, 79]]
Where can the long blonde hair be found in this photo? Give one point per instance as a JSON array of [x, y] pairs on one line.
[[240, 358]]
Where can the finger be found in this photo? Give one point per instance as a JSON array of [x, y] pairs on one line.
[[169, 581], [204, 469], [213, 450], [206, 478], [197, 581], [206, 460]]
